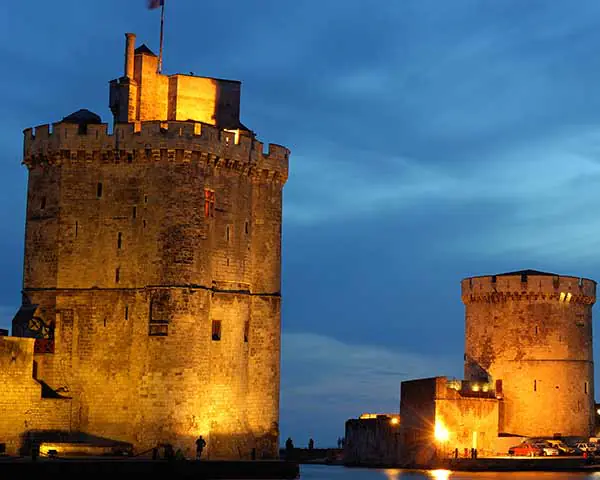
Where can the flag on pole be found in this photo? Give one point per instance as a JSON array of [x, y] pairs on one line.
[[152, 4]]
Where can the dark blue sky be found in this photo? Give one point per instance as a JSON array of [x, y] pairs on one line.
[[431, 140]]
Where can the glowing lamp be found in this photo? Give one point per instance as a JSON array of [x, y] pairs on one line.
[[395, 421], [441, 433]]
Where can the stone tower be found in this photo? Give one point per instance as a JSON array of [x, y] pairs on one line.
[[530, 333], [152, 265]]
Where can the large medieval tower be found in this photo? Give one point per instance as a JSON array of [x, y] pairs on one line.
[[530, 333], [152, 265]]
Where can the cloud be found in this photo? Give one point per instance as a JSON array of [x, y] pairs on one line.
[[324, 377]]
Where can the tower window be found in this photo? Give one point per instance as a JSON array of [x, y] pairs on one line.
[[524, 278], [227, 233], [246, 331], [119, 240], [117, 275], [216, 330], [126, 312], [535, 385], [246, 227], [209, 203], [76, 228], [494, 279], [43, 203], [536, 330], [99, 190], [134, 212], [145, 198]]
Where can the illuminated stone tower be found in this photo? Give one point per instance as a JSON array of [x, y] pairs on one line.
[[152, 265], [531, 333]]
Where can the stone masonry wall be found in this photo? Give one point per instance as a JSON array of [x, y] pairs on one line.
[[534, 334], [136, 246], [22, 408]]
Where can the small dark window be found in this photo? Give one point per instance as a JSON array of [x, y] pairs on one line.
[[494, 279], [144, 223], [99, 190], [43, 203], [227, 233], [134, 212], [536, 330], [119, 240], [130, 157], [145, 198], [117, 275], [523, 278], [126, 312], [246, 227], [105, 322], [76, 228], [216, 330], [535, 385], [246, 331]]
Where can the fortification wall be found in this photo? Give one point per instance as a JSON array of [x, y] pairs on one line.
[[534, 334], [23, 409]]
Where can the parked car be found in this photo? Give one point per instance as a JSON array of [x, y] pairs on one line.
[[587, 447], [547, 449], [525, 450], [563, 448]]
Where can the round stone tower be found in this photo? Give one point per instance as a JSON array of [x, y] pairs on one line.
[[529, 333], [152, 265]]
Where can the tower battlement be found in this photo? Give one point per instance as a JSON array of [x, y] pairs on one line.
[[520, 285], [153, 141]]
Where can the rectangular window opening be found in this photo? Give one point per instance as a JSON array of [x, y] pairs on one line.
[[227, 233], [76, 228], [246, 227], [535, 385], [99, 190], [209, 203], [117, 275], [246, 331], [119, 240], [494, 279], [536, 330], [216, 330], [585, 387], [159, 328], [134, 212], [126, 312], [43, 203], [145, 198]]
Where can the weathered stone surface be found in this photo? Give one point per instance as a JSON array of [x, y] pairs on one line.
[[533, 333], [136, 242]]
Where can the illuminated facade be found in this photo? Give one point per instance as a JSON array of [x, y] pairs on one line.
[[530, 334], [152, 288], [528, 370]]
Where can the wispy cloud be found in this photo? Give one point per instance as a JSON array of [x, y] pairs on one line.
[[325, 376]]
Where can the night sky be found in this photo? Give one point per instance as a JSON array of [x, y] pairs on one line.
[[431, 140]]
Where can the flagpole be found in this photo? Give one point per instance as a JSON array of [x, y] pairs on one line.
[[162, 27]]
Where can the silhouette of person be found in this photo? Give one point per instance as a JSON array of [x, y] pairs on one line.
[[289, 444], [200, 444]]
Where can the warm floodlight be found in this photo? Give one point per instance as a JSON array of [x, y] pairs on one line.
[[441, 433]]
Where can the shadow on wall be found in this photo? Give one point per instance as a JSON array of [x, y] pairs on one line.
[[474, 371]]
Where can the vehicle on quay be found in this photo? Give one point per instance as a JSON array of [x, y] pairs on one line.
[[548, 450], [587, 447], [526, 450], [563, 448]]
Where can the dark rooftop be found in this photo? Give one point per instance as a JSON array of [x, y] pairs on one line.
[[144, 50], [528, 272], [82, 117]]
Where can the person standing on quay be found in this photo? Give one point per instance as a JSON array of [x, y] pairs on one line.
[[200, 444]]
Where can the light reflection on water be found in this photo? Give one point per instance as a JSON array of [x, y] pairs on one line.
[[323, 472]]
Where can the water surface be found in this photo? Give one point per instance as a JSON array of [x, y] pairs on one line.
[[322, 472]]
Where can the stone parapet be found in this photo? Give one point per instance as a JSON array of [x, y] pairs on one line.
[[503, 288], [155, 141]]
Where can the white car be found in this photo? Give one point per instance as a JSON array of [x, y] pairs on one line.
[[548, 450], [587, 447]]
